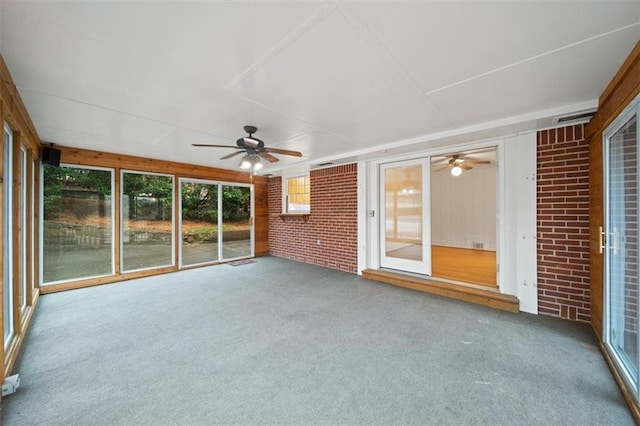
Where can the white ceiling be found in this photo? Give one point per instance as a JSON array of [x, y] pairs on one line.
[[334, 79]]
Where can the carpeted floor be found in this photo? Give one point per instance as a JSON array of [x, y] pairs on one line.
[[278, 341]]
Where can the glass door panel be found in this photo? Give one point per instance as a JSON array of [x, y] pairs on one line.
[[404, 216], [237, 214], [199, 222], [147, 215], [621, 249]]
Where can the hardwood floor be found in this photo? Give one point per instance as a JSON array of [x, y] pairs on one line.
[[465, 265]]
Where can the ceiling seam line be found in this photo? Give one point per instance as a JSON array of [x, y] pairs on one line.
[[532, 58], [376, 44], [315, 19], [155, 120]]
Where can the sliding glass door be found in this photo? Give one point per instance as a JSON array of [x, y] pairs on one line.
[[147, 221], [405, 216], [216, 222], [236, 222], [620, 243]]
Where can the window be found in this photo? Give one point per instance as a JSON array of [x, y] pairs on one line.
[[77, 236], [296, 194], [147, 214], [199, 224], [8, 237]]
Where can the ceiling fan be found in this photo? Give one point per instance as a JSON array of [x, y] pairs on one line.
[[457, 163], [254, 151]]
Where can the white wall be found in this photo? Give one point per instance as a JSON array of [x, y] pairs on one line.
[[518, 256], [463, 208], [516, 218]]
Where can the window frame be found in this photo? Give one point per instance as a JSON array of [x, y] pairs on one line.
[[40, 279], [285, 193], [121, 231], [9, 329]]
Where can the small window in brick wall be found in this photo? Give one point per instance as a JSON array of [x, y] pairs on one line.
[[296, 194]]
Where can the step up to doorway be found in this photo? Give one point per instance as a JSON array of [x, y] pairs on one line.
[[488, 298]]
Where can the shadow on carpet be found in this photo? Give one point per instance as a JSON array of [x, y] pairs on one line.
[[241, 262]]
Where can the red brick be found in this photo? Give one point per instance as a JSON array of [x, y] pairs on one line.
[[563, 223], [333, 221]]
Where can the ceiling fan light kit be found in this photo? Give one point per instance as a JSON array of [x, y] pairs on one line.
[[456, 171], [254, 150], [251, 162]]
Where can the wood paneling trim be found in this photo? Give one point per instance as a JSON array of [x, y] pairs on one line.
[[618, 94], [83, 157], [71, 285], [624, 87], [14, 348], [14, 110], [621, 76], [488, 298]]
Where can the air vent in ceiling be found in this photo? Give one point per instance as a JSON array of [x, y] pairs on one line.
[[582, 117], [325, 164]]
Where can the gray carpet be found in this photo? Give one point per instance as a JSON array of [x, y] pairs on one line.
[[278, 341]]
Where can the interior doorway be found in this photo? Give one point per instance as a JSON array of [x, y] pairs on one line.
[[464, 216]]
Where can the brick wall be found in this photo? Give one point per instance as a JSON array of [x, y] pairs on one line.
[[333, 221], [563, 223]]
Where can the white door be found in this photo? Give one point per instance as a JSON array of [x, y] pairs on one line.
[[405, 220]]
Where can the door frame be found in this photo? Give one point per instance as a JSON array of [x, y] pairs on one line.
[[220, 248], [632, 109], [516, 220]]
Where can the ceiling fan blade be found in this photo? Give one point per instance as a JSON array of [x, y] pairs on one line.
[[474, 162], [233, 154], [283, 152], [270, 158], [465, 166], [215, 146]]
